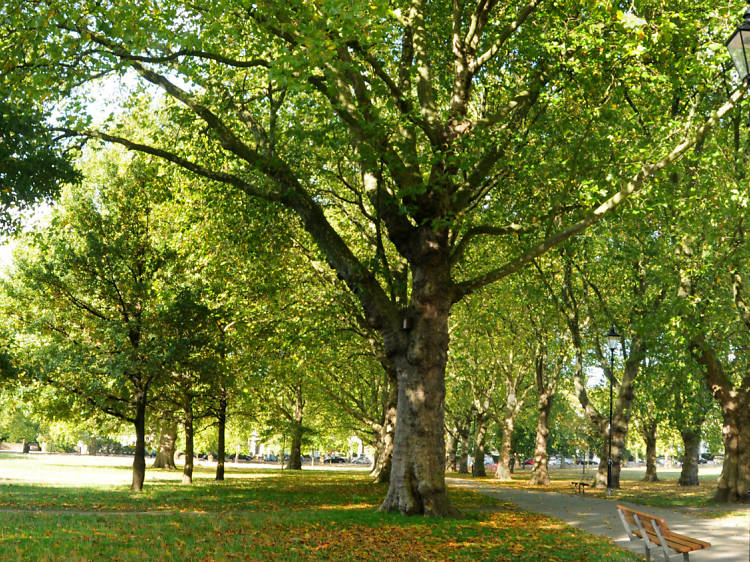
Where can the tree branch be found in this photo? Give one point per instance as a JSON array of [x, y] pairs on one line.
[[485, 230], [189, 165], [505, 34], [634, 186]]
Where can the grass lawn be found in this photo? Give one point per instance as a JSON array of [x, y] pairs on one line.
[[664, 493], [256, 514]]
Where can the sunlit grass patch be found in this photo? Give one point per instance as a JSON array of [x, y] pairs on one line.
[[497, 536], [267, 514]]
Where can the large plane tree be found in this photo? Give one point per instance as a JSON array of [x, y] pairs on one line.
[[427, 148]]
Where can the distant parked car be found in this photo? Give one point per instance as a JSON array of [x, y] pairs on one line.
[[270, 457], [527, 462], [334, 460], [361, 460]]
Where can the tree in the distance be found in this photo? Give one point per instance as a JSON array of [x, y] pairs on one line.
[[89, 283]]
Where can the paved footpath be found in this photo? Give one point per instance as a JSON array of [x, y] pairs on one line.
[[729, 537]]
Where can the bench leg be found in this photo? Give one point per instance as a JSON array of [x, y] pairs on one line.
[[686, 557]]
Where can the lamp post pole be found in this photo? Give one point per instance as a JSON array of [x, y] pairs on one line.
[[612, 338], [609, 460]]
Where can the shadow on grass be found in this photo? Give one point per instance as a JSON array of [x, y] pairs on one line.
[[273, 515]]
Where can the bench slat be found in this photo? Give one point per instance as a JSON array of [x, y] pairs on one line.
[[681, 543], [677, 542]]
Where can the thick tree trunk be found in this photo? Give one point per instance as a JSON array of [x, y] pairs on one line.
[[691, 438], [600, 479], [417, 484], [165, 453], [734, 482], [187, 471], [381, 466], [139, 461], [221, 418], [546, 384], [649, 436], [451, 448], [295, 460], [540, 474], [621, 415], [295, 453], [463, 458], [503, 464], [478, 469]]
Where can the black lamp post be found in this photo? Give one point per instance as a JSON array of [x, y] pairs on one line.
[[738, 46], [613, 339]]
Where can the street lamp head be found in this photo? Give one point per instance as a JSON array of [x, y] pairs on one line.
[[738, 46], [613, 338]]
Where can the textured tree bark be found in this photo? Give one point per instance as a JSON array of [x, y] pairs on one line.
[[187, 470], [295, 460], [540, 474], [503, 464], [165, 453], [417, 484], [463, 459], [648, 432], [139, 461], [478, 470], [221, 418], [691, 438], [295, 449], [618, 447], [621, 415], [381, 466], [546, 384], [451, 448], [734, 482]]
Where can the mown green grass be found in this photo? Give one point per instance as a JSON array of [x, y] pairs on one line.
[[268, 515]]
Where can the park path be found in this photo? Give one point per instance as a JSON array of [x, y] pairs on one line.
[[729, 537]]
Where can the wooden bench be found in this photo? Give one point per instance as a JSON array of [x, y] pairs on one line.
[[579, 486], [653, 531]]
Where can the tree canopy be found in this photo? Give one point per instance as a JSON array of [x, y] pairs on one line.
[[428, 149]]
